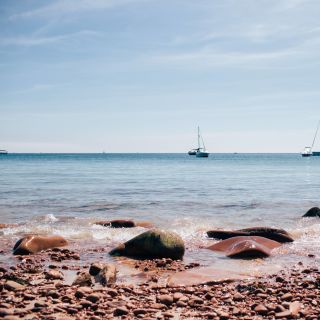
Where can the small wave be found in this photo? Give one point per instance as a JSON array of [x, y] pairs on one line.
[[50, 218]]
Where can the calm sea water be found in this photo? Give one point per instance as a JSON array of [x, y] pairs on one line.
[[65, 193]]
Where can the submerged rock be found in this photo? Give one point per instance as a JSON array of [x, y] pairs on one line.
[[33, 244], [278, 235], [246, 247], [152, 244], [313, 212]]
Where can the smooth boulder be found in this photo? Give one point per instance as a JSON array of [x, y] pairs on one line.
[[245, 247], [152, 244], [313, 212], [124, 224], [33, 244], [278, 235]]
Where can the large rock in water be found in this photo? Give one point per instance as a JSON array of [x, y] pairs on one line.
[[152, 244], [278, 235], [313, 212], [244, 247], [33, 244]]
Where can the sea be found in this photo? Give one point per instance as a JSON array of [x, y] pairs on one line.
[[65, 194]]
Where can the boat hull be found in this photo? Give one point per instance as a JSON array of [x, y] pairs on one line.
[[306, 154], [202, 154], [316, 153]]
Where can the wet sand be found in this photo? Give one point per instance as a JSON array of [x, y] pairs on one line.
[[40, 286]]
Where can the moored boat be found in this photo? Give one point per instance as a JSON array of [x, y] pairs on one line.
[[3, 152], [199, 152], [307, 152]]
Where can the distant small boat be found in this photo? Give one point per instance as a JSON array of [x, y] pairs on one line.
[[199, 152], [3, 152], [307, 152]]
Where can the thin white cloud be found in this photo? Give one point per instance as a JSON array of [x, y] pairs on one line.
[[213, 59], [38, 41], [62, 7]]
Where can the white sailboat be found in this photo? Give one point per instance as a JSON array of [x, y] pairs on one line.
[[199, 152], [308, 151]]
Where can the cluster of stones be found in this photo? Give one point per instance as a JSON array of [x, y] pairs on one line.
[[284, 296]]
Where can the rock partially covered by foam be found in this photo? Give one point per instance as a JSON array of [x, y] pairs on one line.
[[152, 244], [313, 212], [245, 247], [124, 224], [278, 235], [33, 244]]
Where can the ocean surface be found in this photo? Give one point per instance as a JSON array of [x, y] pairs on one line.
[[66, 193]]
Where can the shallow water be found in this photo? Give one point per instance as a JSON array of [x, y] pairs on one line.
[[65, 193]]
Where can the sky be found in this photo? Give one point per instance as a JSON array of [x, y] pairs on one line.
[[141, 75]]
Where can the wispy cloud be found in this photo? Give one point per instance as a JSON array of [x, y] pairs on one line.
[[210, 58], [43, 40], [61, 7]]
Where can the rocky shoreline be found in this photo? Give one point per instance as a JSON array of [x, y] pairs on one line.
[[46, 280], [37, 288]]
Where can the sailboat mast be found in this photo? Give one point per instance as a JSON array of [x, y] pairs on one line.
[[204, 147], [315, 136], [198, 137]]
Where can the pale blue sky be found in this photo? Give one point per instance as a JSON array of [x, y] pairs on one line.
[[140, 75]]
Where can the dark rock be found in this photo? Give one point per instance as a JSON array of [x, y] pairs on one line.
[[95, 268], [93, 297], [278, 235], [222, 234], [313, 212], [120, 311], [140, 311], [5, 312], [117, 224], [152, 244]]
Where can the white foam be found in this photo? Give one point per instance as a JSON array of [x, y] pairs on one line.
[[50, 218]]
